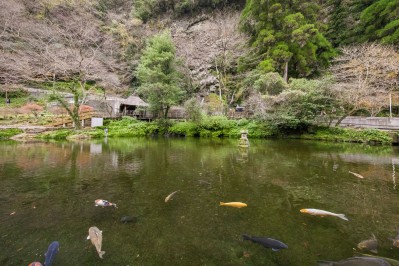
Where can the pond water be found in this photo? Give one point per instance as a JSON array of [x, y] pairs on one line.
[[47, 193]]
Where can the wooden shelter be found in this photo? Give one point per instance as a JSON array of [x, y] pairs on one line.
[[133, 106]]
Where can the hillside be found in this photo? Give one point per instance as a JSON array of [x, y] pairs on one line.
[[42, 41]]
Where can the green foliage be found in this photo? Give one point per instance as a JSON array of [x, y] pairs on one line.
[[61, 134], [350, 135], [270, 83], [15, 102], [188, 129], [380, 21], [297, 107], [130, 127], [160, 81], [363, 21], [390, 33], [144, 9], [256, 129], [8, 133], [193, 110], [219, 126], [14, 93], [287, 33], [215, 126]]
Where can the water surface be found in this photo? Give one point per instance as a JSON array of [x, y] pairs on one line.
[[47, 193]]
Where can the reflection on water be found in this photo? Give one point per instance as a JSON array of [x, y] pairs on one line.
[[47, 193]]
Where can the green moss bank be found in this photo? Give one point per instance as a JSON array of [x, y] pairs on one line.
[[8, 133], [217, 127], [336, 134]]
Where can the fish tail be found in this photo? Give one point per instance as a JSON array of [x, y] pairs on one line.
[[115, 206], [343, 217], [221, 203], [246, 237], [101, 253]]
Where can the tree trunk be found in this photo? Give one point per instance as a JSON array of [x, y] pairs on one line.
[[75, 110], [165, 115], [345, 116], [286, 72]]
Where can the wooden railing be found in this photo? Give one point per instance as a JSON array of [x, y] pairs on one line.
[[64, 121]]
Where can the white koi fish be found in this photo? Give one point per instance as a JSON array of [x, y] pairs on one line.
[[104, 203], [169, 197], [96, 237], [357, 175], [323, 213]]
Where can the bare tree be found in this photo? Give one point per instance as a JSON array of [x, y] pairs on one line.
[[365, 75], [63, 44]]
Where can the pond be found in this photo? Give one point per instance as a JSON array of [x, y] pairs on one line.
[[47, 193]]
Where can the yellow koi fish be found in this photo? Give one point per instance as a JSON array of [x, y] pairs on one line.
[[233, 204]]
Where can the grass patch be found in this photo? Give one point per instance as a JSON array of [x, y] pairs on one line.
[[8, 133], [61, 134], [350, 135]]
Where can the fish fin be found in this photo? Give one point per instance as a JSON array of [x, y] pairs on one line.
[[115, 206], [373, 236], [374, 251], [275, 249], [101, 253], [343, 217], [96, 205], [88, 237]]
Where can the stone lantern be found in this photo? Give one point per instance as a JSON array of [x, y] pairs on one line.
[[244, 142]]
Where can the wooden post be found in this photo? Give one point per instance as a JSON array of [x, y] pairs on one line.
[[390, 105]]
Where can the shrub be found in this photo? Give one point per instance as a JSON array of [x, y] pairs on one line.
[[350, 135], [61, 134], [188, 129], [215, 126]]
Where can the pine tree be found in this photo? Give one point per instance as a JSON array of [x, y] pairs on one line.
[[380, 22], [157, 72], [286, 36]]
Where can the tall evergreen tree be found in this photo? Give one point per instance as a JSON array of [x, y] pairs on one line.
[[341, 19], [358, 21], [286, 36], [380, 22], [157, 72]]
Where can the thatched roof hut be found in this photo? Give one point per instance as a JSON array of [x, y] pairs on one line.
[[115, 106], [133, 101]]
